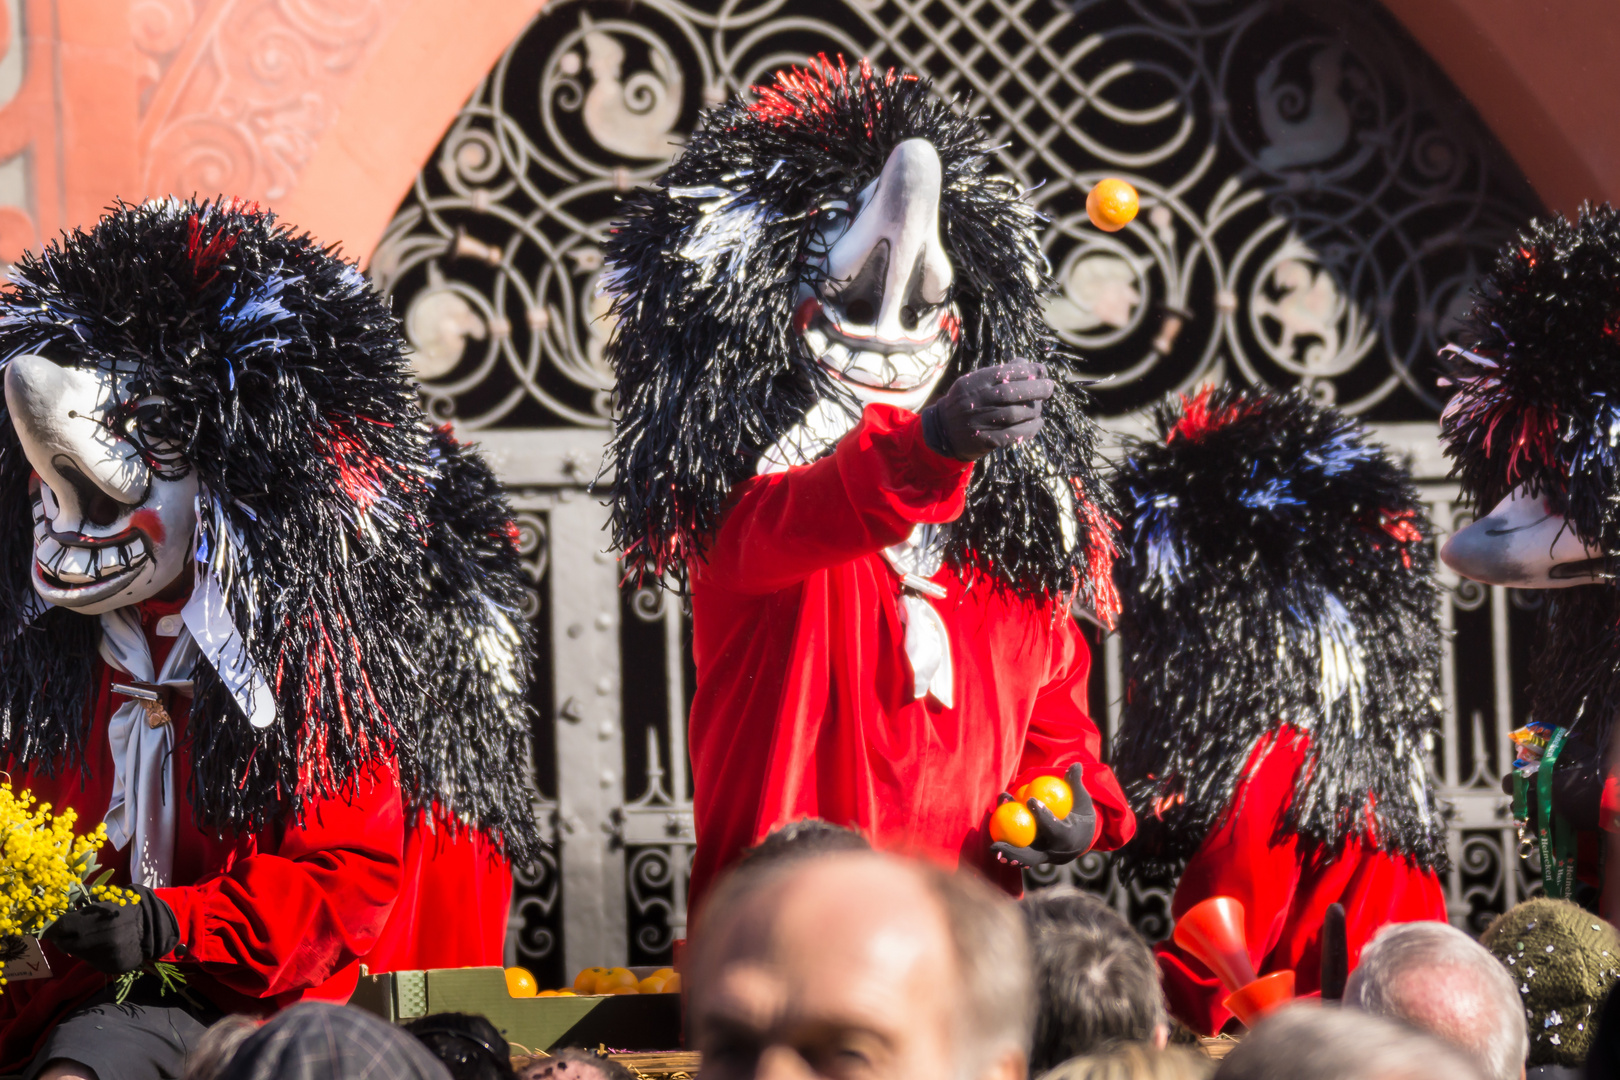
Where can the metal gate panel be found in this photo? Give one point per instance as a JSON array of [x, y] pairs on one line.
[[1316, 200]]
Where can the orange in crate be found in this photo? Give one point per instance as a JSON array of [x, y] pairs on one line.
[[520, 982]]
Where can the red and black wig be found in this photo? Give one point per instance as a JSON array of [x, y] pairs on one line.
[[357, 551], [1537, 404]]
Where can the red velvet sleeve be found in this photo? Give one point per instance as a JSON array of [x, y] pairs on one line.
[[288, 919], [877, 485], [1062, 733]]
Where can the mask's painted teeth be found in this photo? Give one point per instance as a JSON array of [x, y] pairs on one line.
[[898, 371]]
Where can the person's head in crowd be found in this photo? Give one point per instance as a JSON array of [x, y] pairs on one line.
[[1437, 978], [1133, 1061], [214, 1050], [858, 966], [571, 1063], [318, 1041], [1313, 1042], [470, 1046], [1563, 960], [1095, 978], [802, 838]]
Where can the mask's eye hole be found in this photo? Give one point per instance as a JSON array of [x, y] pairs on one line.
[[835, 212], [148, 422]]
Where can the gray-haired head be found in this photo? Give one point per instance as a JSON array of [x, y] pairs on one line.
[[1095, 978], [1305, 1042], [1435, 977]]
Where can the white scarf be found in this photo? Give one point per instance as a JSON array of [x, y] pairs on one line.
[[928, 642], [142, 807]]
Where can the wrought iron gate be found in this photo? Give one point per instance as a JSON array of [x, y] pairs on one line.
[[1316, 200]]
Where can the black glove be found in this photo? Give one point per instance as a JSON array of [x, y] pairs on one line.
[[114, 939], [1577, 787], [1057, 843], [987, 409]]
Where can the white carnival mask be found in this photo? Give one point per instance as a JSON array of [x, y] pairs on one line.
[[113, 504], [874, 307]]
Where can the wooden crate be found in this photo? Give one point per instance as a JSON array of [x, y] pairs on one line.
[[624, 1022]]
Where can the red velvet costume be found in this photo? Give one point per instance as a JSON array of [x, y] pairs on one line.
[[454, 898], [804, 705], [1284, 892], [265, 920]]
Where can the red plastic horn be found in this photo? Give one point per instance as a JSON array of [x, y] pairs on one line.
[[1262, 995], [1213, 932]]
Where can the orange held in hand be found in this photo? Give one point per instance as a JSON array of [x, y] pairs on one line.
[[520, 982], [1012, 823], [1111, 205], [1052, 791]]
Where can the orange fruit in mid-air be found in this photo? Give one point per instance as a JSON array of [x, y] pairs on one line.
[[615, 979], [1112, 204], [1012, 823], [1052, 791], [520, 982], [585, 981]]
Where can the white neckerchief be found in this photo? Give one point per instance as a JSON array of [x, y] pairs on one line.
[[142, 805], [928, 643]]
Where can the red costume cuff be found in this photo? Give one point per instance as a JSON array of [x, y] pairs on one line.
[[1609, 808]]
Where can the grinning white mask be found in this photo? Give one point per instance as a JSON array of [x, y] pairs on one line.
[[874, 309], [113, 505]]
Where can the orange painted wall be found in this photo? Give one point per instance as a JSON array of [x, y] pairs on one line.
[[323, 110], [326, 109], [1544, 76]]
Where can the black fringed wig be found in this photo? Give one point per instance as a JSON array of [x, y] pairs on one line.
[[1277, 570], [711, 370], [367, 562], [1537, 403]]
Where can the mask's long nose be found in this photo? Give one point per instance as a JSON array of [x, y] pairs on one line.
[[90, 470], [890, 266]]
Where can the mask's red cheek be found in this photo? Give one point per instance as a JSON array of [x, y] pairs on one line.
[[149, 523]]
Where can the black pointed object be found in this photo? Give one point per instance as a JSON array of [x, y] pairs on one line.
[[1335, 953]]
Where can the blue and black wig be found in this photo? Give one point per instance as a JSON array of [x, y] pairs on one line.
[[1277, 570], [365, 558]]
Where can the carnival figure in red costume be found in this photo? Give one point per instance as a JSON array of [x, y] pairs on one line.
[[257, 617], [1532, 429], [845, 425], [1281, 655]]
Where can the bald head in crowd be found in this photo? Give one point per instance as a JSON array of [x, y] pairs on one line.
[[1437, 978], [858, 966]]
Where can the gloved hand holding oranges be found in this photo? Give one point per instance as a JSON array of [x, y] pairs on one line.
[[1050, 822]]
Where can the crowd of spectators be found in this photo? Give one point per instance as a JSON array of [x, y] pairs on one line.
[[818, 957]]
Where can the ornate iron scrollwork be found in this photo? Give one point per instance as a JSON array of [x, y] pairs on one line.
[[1316, 200]]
